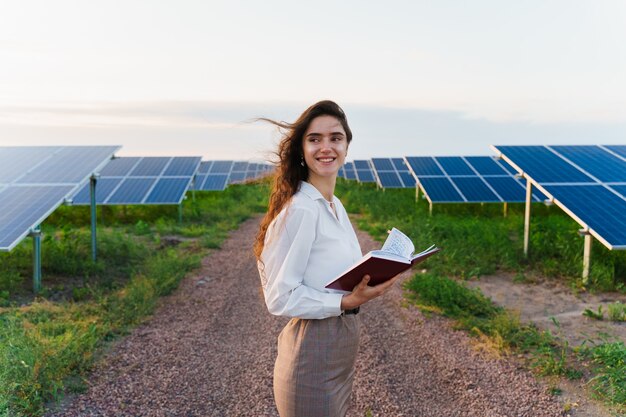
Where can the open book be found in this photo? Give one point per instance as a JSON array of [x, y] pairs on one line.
[[396, 256]]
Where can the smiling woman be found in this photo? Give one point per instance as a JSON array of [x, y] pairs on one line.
[[305, 240]]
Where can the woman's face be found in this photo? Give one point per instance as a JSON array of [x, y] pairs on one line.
[[324, 147]]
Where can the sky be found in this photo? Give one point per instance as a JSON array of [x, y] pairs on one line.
[[414, 77]]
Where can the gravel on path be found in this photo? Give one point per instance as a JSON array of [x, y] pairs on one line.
[[209, 350]]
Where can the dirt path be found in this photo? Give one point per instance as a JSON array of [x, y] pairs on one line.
[[209, 351]]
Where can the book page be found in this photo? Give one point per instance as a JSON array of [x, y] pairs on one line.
[[398, 243]]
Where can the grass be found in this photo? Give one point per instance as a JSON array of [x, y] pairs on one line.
[[48, 343]]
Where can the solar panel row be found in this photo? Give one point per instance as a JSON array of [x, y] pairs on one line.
[[471, 179], [216, 175], [142, 180], [34, 181], [588, 182]]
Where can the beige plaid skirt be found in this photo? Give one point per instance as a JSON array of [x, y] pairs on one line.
[[314, 369]]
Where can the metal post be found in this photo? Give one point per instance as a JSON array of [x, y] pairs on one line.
[[417, 193], [505, 209], [92, 195], [529, 196], [586, 256], [430, 208], [36, 235], [180, 213]]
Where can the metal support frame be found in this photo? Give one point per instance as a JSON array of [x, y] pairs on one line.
[[505, 209], [417, 193], [92, 195], [586, 255], [529, 196], [35, 233], [180, 213]]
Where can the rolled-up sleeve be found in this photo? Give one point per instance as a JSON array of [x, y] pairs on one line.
[[284, 261]]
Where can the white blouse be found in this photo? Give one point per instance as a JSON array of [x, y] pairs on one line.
[[306, 246]]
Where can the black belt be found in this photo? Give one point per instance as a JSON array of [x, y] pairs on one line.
[[353, 311]]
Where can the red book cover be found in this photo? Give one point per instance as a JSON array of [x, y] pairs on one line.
[[380, 266]]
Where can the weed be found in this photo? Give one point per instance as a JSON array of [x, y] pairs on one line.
[[596, 315], [617, 311]]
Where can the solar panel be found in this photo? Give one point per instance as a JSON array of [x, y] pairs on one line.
[[221, 167], [588, 182], [597, 207], [619, 150], [466, 179], [543, 165], [392, 173], [34, 181], [364, 171], [215, 182], [142, 180], [240, 171], [350, 171]]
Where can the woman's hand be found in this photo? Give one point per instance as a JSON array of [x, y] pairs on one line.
[[362, 293]]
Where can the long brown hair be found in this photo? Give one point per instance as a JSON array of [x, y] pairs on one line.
[[289, 170]]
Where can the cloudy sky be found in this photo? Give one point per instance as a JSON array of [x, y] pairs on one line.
[[415, 77]]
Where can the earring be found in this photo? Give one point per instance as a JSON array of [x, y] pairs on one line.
[[302, 160]]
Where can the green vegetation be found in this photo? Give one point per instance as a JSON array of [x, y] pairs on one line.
[[478, 240], [48, 343], [609, 384]]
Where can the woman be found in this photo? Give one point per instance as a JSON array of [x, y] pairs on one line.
[[306, 240]]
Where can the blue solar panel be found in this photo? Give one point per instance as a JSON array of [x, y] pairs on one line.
[[475, 190], [36, 180], [150, 167], [205, 167], [70, 164], [242, 165], [198, 181], [486, 165], [543, 165], [168, 191], [424, 165], [399, 164], [621, 189], [365, 175], [104, 187], [119, 167], [183, 166], [596, 161], [237, 177], [131, 191], [221, 167], [383, 164], [22, 208], [618, 149], [147, 168], [390, 179], [603, 211], [588, 200], [440, 190], [362, 165], [508, 188], [215, 182], [17, 161], [454, 165], [350, 171], [392, 173], [407, 179]]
